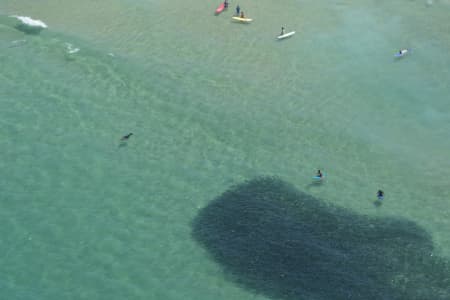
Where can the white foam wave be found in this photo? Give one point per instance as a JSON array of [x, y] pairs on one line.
[[71, 49], [31, 22]]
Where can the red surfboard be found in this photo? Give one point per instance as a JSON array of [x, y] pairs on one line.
[[220, 8]]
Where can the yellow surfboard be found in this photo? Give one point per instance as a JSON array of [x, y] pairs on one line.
[[245, 20]]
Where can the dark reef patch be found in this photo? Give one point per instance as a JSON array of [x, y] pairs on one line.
[[277, 241]]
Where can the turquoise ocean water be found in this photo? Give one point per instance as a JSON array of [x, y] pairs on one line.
[[211, 104]]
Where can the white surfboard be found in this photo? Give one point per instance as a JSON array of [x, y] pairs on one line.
[[244, 20], [401, 53], [280, 37]]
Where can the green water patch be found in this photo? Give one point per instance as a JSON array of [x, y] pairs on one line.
[[86, 216], [286, 244]]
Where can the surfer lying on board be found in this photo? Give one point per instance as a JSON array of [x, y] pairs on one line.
[[126, 137]]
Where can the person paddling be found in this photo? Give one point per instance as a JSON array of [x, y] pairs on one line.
[[126, 137], [238, 9], [319, 174]]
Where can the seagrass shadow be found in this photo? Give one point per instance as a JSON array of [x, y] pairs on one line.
[[275, 240]]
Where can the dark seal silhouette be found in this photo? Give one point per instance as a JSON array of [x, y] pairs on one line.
[[275, 240]]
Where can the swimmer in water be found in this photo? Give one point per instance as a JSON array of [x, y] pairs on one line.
[[126, 137], [380, 195]]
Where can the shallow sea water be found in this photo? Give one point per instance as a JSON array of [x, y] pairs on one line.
[[211, 104]]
